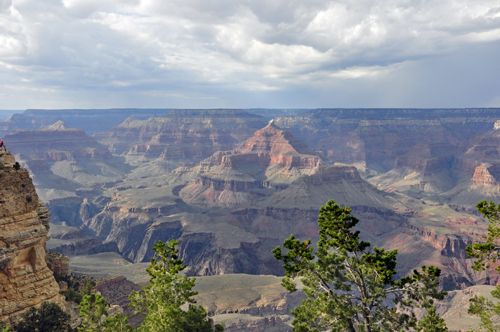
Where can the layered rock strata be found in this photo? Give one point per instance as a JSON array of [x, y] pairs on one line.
[[64, 158], [248, 323], [181, 136], [477, 171], [230, 210], [270, 160], [59, 264], [375, 138], [69, 169], [25, 279], [91, 120], [483, 175]]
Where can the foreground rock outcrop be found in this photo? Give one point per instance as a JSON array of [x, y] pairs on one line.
[[25, 279]]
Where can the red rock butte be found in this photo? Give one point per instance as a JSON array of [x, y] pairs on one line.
[[274, 140], [269, 146]]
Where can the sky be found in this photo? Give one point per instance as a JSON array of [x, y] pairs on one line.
[[249, 53]]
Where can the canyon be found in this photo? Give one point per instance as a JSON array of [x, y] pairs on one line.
[[231, 185], [25, 279]]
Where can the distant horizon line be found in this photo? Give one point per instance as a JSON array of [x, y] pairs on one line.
[[249, 108]]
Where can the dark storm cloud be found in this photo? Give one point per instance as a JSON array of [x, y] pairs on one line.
[[235, 53]]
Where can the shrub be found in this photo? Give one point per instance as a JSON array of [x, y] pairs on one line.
[[49, 318], [72, 295], [5, 328]]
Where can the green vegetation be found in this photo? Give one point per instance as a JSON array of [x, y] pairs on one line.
[[72, 295], [49, 318], [485, 254], [5, 328], [350, 288], [95, 316], [160, 302], [162, 299]]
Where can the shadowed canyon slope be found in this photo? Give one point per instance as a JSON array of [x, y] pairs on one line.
[[374, 138], [70, 170], [226, 209], [181, 136], [231, 188], [25, 279], [459, 177], [64, 161], [231, 209]]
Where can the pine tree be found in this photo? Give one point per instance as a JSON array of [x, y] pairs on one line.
[[350, 288], [162, 300], [49, 318], [96, 319], [485, 254], [5, 328]]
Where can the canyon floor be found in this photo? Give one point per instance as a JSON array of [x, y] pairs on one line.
[[231, 185]]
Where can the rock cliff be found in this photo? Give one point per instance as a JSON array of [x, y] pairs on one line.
[[269, 160], [230, 210], [69, 169], [477, 171], [240, 189], [59, 264], [25, 279], [64, 159], [116, 291], [181, 136], [90, 120], [375, 138]]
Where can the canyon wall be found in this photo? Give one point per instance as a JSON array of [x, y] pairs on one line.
[[375, 138], [181, 136], [25, 279]]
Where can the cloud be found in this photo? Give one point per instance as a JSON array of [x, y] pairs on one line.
[[152, 52]]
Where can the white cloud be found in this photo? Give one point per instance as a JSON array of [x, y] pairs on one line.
[[212, 48]]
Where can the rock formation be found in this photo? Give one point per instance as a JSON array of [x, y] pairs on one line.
[[181, 136], [70, 171], [64, 160], [374, 138], [116, 291], [270, 160], [90, 120], [248, 302], [58, 263], [231, 190], [25, 279], [230, 210]]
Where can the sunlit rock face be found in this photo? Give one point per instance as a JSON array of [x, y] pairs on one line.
[[231, 187], [269, 160], [25, 279]]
